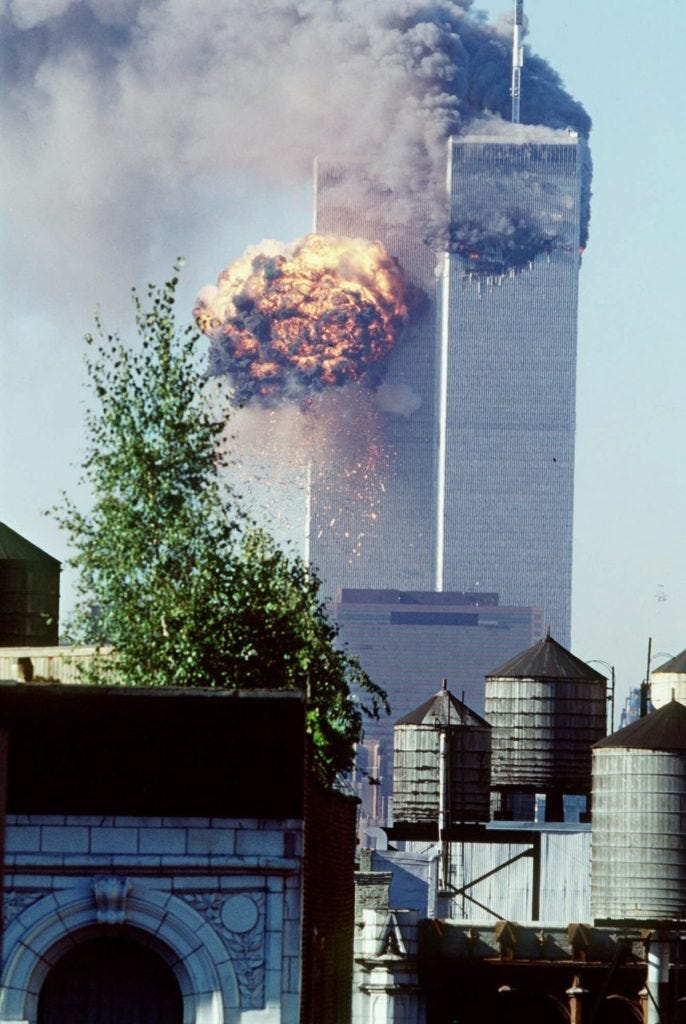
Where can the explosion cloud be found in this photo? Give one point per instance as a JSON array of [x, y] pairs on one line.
[[169, 108], [284, 323], [154, 120]]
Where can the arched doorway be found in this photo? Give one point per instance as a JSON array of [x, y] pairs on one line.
[[618, 1009], [110, 981]]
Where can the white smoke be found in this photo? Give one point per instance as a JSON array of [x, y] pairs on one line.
[[398, 399], [120, 117]]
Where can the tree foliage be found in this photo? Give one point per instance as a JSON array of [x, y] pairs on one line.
[[172, 574]]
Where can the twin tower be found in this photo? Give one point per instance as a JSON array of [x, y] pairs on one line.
[[476, 490]]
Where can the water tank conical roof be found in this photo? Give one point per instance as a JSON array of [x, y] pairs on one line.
[[675, 664], [443, 709], [669, 679], [638, 849], [664, 730], [547, 708], [441, 727], [546, 659], [29, 592]]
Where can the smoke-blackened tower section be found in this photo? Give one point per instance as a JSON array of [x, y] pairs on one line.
[[370, 520], [508, 341]]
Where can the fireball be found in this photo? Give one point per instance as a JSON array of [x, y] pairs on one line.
[[285, 322]]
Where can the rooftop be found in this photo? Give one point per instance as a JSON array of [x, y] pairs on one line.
[[153, 750], [14, 547]]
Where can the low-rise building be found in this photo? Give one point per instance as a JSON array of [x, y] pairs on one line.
[[170, 857]]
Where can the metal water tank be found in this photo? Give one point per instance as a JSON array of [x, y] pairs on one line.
[[29, 592], [547, 708], [669, 679], [441, 764], [638, 835]]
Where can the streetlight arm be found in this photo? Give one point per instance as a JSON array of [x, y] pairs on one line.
[[611, 694]]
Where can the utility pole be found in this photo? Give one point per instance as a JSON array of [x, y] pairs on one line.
[[645, 686]]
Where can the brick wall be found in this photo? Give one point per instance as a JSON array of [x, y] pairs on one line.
[[328, 907]]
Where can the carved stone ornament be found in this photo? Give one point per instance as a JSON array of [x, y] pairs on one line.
[[110, 899], [240, 920], [15, 902]]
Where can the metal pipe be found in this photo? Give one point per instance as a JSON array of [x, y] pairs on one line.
[[443, 794], [442, 804], [611, 695]]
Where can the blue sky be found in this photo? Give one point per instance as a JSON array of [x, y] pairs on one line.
[[623, 60]]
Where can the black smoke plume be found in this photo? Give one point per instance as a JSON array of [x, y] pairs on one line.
[[139, 108]]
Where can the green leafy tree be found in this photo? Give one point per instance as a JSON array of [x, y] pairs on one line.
[[174, 580]]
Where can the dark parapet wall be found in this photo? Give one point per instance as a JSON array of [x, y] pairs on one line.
[[153, 751]]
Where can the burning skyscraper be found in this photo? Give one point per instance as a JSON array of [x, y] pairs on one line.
[[431, 390], [479, 489]]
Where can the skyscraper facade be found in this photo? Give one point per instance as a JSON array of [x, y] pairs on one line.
[[507, 387], [370, 519], [476, 408]]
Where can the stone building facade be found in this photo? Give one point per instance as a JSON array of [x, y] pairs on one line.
[[146, 836], [219, 900]]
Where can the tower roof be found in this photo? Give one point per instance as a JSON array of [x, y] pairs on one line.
[[14, 547], [443, 709], [662, 730], [675, 665], [547, 659]]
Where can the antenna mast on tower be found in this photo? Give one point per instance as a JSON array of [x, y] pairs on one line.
[[517, 59]]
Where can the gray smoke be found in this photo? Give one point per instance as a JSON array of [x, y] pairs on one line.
[[118, 115], [501, 223]]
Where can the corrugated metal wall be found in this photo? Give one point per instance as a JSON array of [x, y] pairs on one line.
[[508, 891]]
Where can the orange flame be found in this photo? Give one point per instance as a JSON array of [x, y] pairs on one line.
[[322, 313]]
